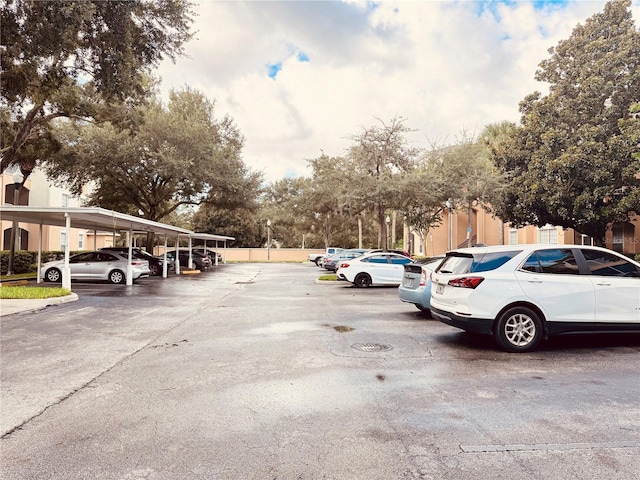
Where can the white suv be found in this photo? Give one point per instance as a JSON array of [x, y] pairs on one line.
[[523, 293]]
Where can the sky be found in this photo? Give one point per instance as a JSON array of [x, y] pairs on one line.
[[302, 78]]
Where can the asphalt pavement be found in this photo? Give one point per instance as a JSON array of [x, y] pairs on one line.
[[256, 371]]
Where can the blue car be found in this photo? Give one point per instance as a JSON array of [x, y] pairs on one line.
[[416, 283]]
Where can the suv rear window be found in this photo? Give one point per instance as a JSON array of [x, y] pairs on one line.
[[461, 263]]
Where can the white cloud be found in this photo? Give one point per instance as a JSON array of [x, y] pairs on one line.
[[444, 66]]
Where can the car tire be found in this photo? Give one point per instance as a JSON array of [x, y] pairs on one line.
[[518, 329], [53, 275], [362, 280], [154, 270], [117, 276]]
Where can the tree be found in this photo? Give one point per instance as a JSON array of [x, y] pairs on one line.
[[75, 59], [176, 156], [282, 206], [381, 155], [331, 206], [462, 172], [569, 163]]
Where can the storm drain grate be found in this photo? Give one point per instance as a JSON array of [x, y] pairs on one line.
[[372, 347]]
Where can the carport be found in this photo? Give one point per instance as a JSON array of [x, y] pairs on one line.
[[210, 237], [90, 218]]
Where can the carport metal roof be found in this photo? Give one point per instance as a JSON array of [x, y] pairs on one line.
[[91, 218], [94, 218], [209, 236]]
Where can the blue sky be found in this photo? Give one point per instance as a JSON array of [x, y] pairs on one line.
[[301, 77]]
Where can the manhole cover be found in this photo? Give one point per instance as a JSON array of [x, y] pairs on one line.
[[372, 347]]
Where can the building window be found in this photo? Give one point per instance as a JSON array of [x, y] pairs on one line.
[[513, 236], [548, 235], [618, 237], [65, 200], [81, 241], [63, 239]]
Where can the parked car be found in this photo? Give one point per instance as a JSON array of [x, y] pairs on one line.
[[156, 264], [416, 283], [521, 294], [379, 268], [99, 265], [393, 250], [211, 253], [201, 262], [331, 263], [318, 257]]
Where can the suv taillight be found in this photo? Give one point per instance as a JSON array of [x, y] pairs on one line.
[[423, 278], [466, 282]]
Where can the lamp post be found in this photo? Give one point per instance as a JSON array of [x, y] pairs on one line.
[[449, 205], [18, 178], [387, 220], [268, 240]]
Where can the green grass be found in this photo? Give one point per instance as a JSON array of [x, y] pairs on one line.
[[17, 276], [332, 277], [22, 292]]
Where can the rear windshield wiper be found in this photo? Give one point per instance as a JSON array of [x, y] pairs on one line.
[[445, 271]]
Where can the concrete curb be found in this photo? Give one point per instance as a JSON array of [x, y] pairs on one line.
[[13, 306]]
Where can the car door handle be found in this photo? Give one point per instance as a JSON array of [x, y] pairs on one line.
[[534, 280], [603, 284]]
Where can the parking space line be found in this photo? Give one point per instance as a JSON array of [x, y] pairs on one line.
[[546, 447]]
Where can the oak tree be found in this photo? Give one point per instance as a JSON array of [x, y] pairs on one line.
[[78, 59], [569, 163]]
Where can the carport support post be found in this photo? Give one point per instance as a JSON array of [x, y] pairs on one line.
[[164, 264], [177, 264], [66, 271], [129, 269], [190, 255], [38, 278]]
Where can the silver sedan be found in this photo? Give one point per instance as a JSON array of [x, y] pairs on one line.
[[109, 266]]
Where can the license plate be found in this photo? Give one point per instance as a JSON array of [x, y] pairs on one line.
[[407, 282], [439, 288]]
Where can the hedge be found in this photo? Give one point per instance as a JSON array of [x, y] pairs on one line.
[[25, 261]]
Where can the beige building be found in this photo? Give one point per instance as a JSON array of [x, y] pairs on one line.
[[487, 229], [39, 192]]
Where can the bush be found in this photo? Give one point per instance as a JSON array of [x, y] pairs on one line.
[[25, 261]]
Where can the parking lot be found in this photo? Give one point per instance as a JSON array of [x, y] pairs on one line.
[[257, 371]]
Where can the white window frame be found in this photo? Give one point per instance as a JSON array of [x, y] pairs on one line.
[[513, 236], [63, 239], [548, 235], [81, 241]]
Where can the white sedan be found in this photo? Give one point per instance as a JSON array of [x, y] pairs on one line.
[[379, 268]]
